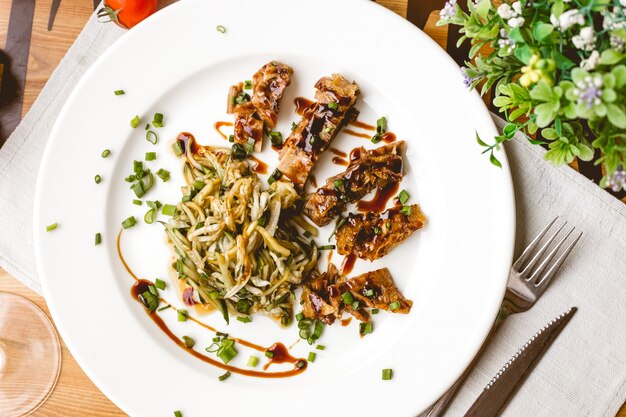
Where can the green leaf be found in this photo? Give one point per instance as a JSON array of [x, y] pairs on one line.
[[610, 57], [501, 101], [557, 8], [494, 160], [578, 75], [517, 113], [516, 35], [542, 31], [550, 133], [543, 92], [608, 80], [483, 7], [558, 127], [562, 62], [509, 130], [545, 114], [480, 141], [616, 115], [523, 53], [608, 95], [585, 152], [619, 72]]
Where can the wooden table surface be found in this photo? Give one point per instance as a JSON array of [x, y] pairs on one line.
[[75, 394]]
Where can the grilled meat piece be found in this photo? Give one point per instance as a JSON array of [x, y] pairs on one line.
[[372, 236], [316, 301], [376, 289], [269, 84], [373, 169], [318, 127], [257, 114]]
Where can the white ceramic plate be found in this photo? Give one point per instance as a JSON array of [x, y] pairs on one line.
[[177, 63]]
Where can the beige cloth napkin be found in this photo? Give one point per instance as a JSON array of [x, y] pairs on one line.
[[584, 374]]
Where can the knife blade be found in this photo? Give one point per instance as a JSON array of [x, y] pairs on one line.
[[53, 12], [507, 381]]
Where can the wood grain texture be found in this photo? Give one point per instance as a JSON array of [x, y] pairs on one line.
[[75, 395]]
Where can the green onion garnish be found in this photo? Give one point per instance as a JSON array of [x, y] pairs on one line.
[[276, 138], [247, 84], [164, 308], [299, 316], [154, 204], [147, 126], [300, 364], [269, 353], [245, 319], [311, 357], [169, 210], [293, 125], [394, 306], [178, 149], [227, 350], [340, 222], [182, 315], [406, 210], [381, 125], [197, 184], [337, 184], [163, 174], [387, 374], [189, 342], [98, 239], [150, 156], [366, 328], [377, 230], [227, 374], [253, 361], [376, 138], [221, 29], [150, 216], [347, 297], [403, 197], [152, 137], [149, 300], [326, 247], [153, 290], [355, 305], [320, 347], [134, 122], [276, 175], [242, 98], [106, 153], [375, 311], [231, 138], [159, 283], [97, 179], [119, 92], [157, 120], [129, 222], [137, 202], [368, 292], [332, 105], [178, 414], [238, 151]]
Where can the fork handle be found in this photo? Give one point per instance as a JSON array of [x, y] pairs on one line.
[[442, 404]]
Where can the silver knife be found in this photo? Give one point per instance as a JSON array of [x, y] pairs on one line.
[[507, 381]]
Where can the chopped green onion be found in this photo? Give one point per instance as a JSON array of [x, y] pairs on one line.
[[163, 174], [388, 225], [189, 342], [326, 247], [276, 175], [106, 153], [98, 239], [307, 233], [149, 300], [150, 156], [320, 347], [340, 222], [406, 210], [253, 361], [97, 179], [182, 315], [368, 292], [332, 105], [328, 129], [347, 297], [387, 374], [164, 308], [119, 92], [269, 353], [238, 151], [178, 149], [300, 364], [366, 328], [178, 414], [311, 357], [134, 122], [157, 120], [153, 290], [160, 284], [293, 125], [247, 84], [394, 306], [276, 138], [147, 126], [199, 225], [154, 204], [355, 305], [129, 222], [150, 216], [137, 202], [169, 210], [375, 311], [337, 184], [381, 125], [242, 98], [152, 137], [377, 230], [231, 138], [221, 29], [227, 350], [245, 319], [225, 376], [403, 197], [299, 316], [376, 138], [197, 184]]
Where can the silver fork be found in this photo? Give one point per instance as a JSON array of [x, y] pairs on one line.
[[528, 279]]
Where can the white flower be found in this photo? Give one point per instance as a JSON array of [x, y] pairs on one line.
[[567, 19], [586, 39], [516, 22], [505, 11], [623, 3], [613, 20], [505, 43], [448, 11], [617, 43], [517, 8], [590, 63]]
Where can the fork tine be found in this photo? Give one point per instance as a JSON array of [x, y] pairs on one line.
[[531, 247], [537, 257], [542, 266], [543, 283]]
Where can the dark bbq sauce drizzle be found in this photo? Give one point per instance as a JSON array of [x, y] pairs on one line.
[[348, 264], [362, 125], [379, 202], [388, 137], [186, 138], [302, 104], [355, 154], [281, 353], [346, 322], [218, 126], [258, 166], [340, 161], [337, 152]]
